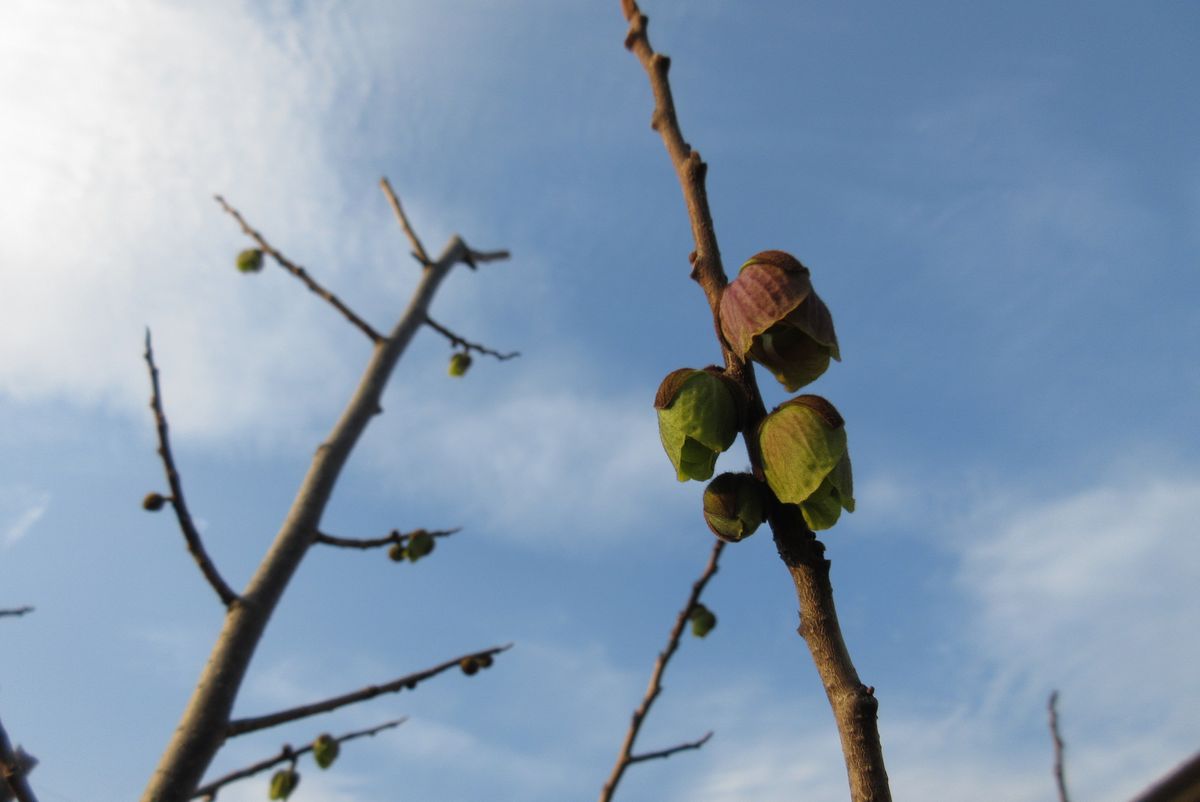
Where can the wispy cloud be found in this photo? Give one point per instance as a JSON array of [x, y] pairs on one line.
[[21, 507]]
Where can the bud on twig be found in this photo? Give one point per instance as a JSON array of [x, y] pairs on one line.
[[805, 459], [699, 416]]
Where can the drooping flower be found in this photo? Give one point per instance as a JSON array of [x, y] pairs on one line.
[[734, 506], [770, 313], [805, 459], [699, 416]]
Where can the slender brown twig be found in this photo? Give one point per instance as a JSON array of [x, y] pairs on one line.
[[418, 250], [459, 342], [1181, 785], [300, 273], [242, 726], [287, 754], [626, 758], [12, 773], [854, 705], [1060, 778], [395, 537], [190, 534], [16, 612]]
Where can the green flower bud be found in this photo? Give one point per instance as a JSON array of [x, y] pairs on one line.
[[805, 459], [734, 506], [325, 750], [250, 260], [283, 782], [397, 552], [702, 620], [459, 363], [771, 314], [420, 543], [153, 502], [469, 666], [699, 415]]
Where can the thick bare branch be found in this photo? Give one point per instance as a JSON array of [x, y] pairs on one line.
[[459, 342], [204, 725], [665, 753], [12, 772], [190, 534], [396, 537], [287, 754], [1060, 778], [854, 705], [300, 273], [1181, 785], [626, 758], [242, 726], [16, 612]]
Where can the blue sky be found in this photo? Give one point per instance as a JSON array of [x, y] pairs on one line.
[[999, 204]]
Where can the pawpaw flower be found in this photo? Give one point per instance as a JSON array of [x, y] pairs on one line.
[[699, 415], [734, 506], [771, 314], [703, 620], [805, 459]]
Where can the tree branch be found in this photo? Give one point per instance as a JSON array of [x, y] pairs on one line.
[[12, 773], [1060, 778], [287, 754], [396, 537], [242, 726], [190, 534], [1181, 785], [16, 612], [455, 340], [418, 250], [204, 725], [854, 705], [300, 273], [625, 757]]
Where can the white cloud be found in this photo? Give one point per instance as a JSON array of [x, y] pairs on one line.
[[21, 507]]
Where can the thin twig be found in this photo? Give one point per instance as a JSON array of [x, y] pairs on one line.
[[1060, 778], [459, 342], [242, 726], [626, 757], [12, 773], [665, 753], [418, 251], [854, 705], [1181, 785], [394, 537], [300, 273], [16, 611], [287, 754], [190, 534]]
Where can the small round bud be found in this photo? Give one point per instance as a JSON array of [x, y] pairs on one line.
[[459, 363], [469, 666], [153, 502], [703, 620], [283, 782], [397, 552], [420, 543], [734, 506], [484, 660], [250, 260], [325, 750]]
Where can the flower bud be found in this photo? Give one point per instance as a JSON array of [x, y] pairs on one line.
[[703, 620], [771, 314], [484, 660], [805, 459], [325, 750], [153, 502], [734, 506], [699, 415], [419, 544], [469, 666], [283, 782], [459, 363], [250, 260], [397, 552]]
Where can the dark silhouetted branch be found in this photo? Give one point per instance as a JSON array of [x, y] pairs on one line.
[[16, 612], [242, 726], [1181, 785], [459, 342], [1060, 778], [855, 708], [190, 534], [626, 758], [300, 273], [13, 772], [287, 754], [396, 537]]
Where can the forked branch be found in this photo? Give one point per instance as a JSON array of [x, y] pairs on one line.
[[300, 273], [242, 726], [287, 754], [854, 705], [625, 757], [190, 534]]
